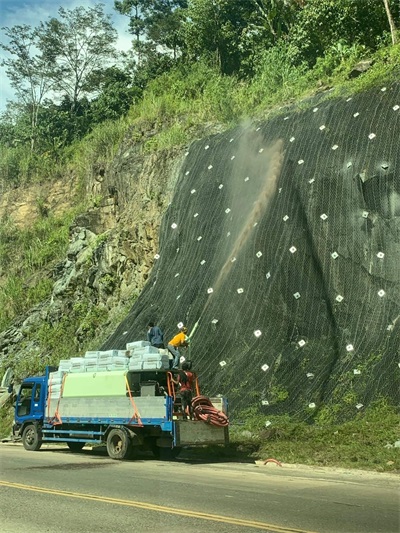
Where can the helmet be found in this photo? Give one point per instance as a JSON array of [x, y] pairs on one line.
[[184, 329]]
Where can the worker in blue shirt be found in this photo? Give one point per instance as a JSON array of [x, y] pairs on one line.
[[155, 336]]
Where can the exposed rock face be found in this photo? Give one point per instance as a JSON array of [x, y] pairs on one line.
[[111, 249], [24, 206], [280, 243]]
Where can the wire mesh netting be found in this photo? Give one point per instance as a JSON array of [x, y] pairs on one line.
[[281, 248]]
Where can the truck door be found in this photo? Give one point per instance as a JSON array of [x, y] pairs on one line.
[[37, 401], [30, 401], [24, 400]]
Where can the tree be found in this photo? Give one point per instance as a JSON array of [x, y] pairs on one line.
[[321, 24], [275, 16], [268, 22], [164, 24], [136, 11], [77, 44], [116, 96], [155, 24], [393, 29], [60, 124], [28, 70], [213, 31]]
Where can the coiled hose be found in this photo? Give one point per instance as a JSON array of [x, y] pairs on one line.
[[204, 410]]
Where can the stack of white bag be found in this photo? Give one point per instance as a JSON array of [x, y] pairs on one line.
[[146, 357], [139, 355], [54, 384], [107, 360], [77, 364], [64, 365]]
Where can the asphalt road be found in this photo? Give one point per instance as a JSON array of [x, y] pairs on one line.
[[57, 491]]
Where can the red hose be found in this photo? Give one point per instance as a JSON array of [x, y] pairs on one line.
[[204, 410], [271, 460]]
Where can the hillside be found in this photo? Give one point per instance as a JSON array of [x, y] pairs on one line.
[[279, 238], [282, 243]]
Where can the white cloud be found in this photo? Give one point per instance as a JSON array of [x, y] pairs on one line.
[[32, 12]]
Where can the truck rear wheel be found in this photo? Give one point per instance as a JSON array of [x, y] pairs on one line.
[[75, 446], [31, 438], [118, 444]]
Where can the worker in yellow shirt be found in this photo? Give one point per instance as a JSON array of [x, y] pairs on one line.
[[180, 339]]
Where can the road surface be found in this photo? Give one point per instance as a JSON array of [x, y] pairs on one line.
[[57, 491]]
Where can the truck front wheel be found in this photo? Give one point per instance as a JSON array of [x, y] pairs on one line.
[[118, 444], [31, 438]]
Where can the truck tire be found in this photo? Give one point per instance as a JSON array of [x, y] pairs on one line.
[[75, 446], [31, 438], [118, 444]]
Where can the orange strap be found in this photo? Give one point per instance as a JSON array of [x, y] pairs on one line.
[[56, 420], [48, 401], [136, 414], [171, 385]]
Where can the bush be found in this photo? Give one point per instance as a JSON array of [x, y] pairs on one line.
[[25, 253], [277, 78], [100, 145]]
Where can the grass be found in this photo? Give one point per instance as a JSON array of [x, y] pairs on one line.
[[365, 443], [96, 149], [6, 421], [178, 102], [26, 259]]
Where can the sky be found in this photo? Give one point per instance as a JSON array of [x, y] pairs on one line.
[[32, 12]]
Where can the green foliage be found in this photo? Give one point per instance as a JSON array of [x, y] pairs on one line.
[[24, 254], [10, 164], [16, 297], [337, 59], [90, 319], [173, 136], [276, 79], [116, 96], [59, 56], [77, 43], [323, 23], [274, 70], [270, 44], [6, 421], [385, 67], [54, 339], [99, 146], [19, 166], [366, 442], [212, 32], [185, 97], [27, 67], [278, 394]]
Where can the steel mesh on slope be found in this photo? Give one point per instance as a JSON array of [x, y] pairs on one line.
[[282, 246]]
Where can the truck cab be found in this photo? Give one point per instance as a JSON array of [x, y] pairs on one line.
[[31, 402]]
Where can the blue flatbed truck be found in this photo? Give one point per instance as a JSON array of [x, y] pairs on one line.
[[125, 410]]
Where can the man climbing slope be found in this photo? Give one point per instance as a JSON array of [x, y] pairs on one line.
[[180, 339]]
